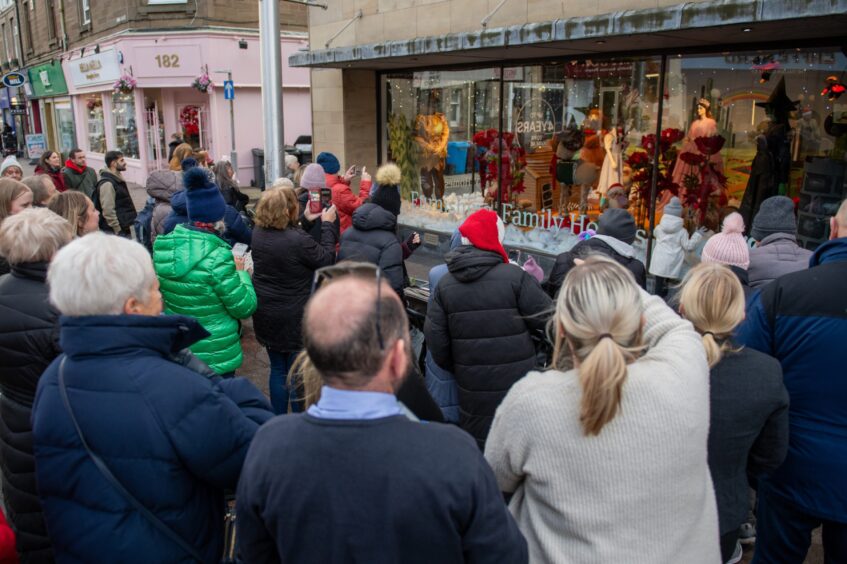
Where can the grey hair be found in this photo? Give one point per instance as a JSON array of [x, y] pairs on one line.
[[96, 275], [282, 183], [34, 235]]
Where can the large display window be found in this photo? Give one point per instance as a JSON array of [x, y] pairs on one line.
[[95, 123], [126, 127], [550, 146]]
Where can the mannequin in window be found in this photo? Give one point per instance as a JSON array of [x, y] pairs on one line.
[[704, 126], [432, 134], [611, 171], [778, 108]]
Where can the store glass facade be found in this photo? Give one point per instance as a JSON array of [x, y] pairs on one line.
[[95, 123], [125, 124], [551, 145]]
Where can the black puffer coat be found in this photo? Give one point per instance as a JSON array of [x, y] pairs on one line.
[[373, 238], [478, 327], [284, 264], [617, 250], [28, 343]]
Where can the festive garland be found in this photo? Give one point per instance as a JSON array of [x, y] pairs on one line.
[[189, 119]]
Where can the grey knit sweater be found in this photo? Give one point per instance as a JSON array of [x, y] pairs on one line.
[[638, 492]]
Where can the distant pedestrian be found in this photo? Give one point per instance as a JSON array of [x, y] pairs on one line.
[[161, 186], [285, 259], [748, 429], [342, 195], [483, 321], [776, 252], [363, 481], [312, 178], [292, 165], [801, 320], [133, 451], [11, 168], [179, 154], [28, 344], [50, 164], [225, 179], [609, 447], [201, 278], [112, 198], [176, 141], [43, 190], [78, 210], [78, 175]]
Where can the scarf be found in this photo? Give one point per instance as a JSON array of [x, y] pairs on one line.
[[73, 166]]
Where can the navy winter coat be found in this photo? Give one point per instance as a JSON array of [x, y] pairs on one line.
[[236, 230], [801, 320], [173, 438]]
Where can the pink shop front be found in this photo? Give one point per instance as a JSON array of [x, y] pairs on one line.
[[158, 99]]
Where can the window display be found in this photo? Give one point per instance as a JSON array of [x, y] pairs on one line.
[[568, 139], [95, 123], [126, 128]]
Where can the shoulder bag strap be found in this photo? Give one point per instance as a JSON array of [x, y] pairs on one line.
[[104, 470]]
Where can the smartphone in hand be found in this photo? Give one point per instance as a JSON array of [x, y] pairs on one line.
[[239, 250], [315, 200]]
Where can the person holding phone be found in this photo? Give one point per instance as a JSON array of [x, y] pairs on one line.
[[342, 195], [285, 258]]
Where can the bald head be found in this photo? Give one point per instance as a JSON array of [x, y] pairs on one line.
[[838, 224], [339, 330]]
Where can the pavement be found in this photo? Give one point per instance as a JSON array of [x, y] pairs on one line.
[[256, 364]]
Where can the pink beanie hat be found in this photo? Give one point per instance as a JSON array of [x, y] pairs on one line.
[[729, 246]]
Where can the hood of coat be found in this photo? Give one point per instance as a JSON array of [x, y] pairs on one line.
[[33, 270], [623, 249], [831, 251], [179, 203], [371, 217], [122, 334], [467, 263], [163, 184], [777, 238], [671, 223], [180, 251]]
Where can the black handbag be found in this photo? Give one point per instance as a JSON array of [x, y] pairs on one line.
[[104, 470]]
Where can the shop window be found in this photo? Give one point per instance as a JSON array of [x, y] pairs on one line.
[[759, 124], [95, 123], [50, 10], [126, 128]]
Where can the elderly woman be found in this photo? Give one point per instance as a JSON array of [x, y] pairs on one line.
[[15, 197], [285, 258], [201, 278], [78, 210], [609, 446], [11, 168], [50, 165], [132, 450], [28, 344], [43, 190]]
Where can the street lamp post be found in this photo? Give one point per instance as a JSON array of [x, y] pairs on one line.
[[271, 88]]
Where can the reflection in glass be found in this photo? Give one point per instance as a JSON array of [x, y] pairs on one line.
[[126, 128]]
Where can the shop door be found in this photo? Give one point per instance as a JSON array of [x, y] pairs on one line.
[[50, 130], [156, 153], [194, 124], [65, 130]]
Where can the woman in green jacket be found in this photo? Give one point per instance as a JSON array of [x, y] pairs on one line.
[[199, 276]]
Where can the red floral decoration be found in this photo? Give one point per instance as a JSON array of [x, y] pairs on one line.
[[489, 144], [710, 145], [189, 119]]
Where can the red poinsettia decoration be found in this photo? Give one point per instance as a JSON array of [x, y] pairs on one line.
[[693, 159], [648, 143], [710, 145], [671, 135]]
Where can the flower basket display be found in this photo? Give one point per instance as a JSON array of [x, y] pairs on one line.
[[203, 83], [124, 85]]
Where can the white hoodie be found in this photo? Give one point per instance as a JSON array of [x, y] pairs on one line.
[[672, 242]]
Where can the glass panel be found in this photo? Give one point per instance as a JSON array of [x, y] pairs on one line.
[[95, 123], [771, 130], [65, 126], [126, 129]]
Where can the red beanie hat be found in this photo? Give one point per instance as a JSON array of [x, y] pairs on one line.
[[482, 230]]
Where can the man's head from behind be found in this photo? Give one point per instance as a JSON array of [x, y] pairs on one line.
[[838, 223], [342, 340]]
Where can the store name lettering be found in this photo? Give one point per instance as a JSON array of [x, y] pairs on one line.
[[544, 219], [538, 126], [90, 66]]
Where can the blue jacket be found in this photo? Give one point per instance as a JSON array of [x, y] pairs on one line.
[[441, 383], [801, 319], [236, 230], [173, 438]]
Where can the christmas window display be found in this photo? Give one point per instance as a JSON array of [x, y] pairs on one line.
[[95, 123]]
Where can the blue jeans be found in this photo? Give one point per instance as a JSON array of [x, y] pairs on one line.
[[280, 393]]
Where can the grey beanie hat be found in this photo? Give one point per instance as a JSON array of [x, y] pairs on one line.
[[776, 215], [673, 207], [617, 223]]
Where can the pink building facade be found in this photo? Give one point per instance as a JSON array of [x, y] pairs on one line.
[[142, 122]]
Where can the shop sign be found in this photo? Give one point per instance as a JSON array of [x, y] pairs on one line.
[[14, 79], [166, 60], [601, 69], [100, 68], [18, 110], [36, 144], [47, 80]]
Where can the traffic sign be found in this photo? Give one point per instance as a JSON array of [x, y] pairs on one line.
[[14, 79], [229, 90]]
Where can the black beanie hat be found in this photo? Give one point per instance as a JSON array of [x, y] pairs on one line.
[[387, 197], [617, 223]]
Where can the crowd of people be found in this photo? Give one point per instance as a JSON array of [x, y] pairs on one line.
[[568, 418]]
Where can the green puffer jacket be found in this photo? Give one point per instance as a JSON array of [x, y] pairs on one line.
[[198, 279]]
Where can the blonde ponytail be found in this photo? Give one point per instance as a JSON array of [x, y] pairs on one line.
[[712, 299], [304, 373], [598, 314]]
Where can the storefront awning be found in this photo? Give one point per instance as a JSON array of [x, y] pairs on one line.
[[691, 25]]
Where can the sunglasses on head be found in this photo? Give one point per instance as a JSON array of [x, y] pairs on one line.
[[359, 269]]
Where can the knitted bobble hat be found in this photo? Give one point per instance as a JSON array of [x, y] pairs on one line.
[[313, 177], [204, 200], [387, 194], [484, 230], [673, 207], [329, 162], [729, 246]]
